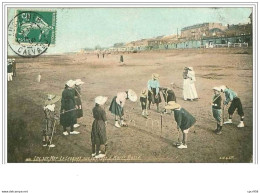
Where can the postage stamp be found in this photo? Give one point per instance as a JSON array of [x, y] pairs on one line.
[[30, 33]]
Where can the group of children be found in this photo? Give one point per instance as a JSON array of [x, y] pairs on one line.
[[230, 97], [151, 94], [71, 109], [11, 69]]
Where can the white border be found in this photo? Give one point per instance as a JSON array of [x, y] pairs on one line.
[[219, 178]]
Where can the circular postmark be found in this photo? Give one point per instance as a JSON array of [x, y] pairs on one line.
[[28, 34]]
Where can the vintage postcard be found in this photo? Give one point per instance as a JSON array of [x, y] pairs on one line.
[[130, 84]]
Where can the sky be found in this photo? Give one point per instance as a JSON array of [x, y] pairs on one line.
[[88, 27]]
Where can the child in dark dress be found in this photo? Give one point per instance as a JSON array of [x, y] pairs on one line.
[[184, 121], [216, 109], [98, 133]]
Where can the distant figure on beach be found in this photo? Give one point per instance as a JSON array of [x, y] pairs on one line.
[[39, 77], [121, 58]]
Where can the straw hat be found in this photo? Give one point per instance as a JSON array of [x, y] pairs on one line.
[[155, 76], [172, 105], [222, 88], [52, 99], [100, 100], [216, 88], [70, 83], [132, 95], [144, 92], [78, 82]]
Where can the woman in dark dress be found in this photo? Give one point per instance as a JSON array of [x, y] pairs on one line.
[[79, 111], [98, 133], [68, 108]]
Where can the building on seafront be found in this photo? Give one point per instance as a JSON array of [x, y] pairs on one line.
[[204, 35]]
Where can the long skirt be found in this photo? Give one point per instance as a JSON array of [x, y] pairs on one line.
[[217, 113], [69, 118], [193, 91], [79, 111], [152, 98], [98, 133], [186, 89], [115, 108]]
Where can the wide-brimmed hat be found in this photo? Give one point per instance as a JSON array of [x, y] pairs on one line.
[[155, 76], [144, 92], [132, 95], [222, 88], [190, 68], [52, 99], [216, 88], [78, 82], [100, 100], [172, 105], [70, 83]]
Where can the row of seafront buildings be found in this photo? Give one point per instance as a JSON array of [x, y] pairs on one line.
[[205, 35]]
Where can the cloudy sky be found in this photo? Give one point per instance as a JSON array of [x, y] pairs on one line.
[[87, 27]]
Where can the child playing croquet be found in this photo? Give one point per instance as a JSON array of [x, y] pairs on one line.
[[231, 96], [143, 101], [117, 106], [184, 121], [98, 133], [153, 91], [50, 119], [216, 109]]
